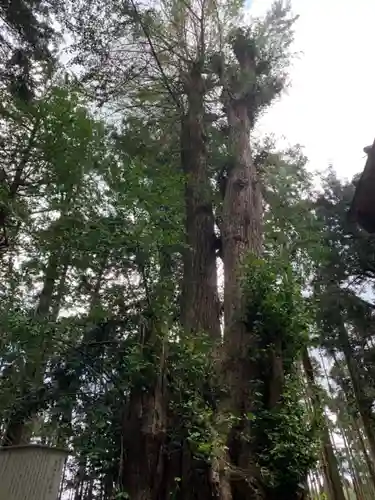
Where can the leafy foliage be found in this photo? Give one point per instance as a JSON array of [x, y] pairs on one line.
[[276, 313], [276, 310], [291, 439], [95, 213]]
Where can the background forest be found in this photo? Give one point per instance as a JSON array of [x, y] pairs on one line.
[[183, 306]]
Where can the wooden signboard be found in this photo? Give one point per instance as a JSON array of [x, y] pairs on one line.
[[30, 472]]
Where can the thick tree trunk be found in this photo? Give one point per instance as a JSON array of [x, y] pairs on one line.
[[331, 470], [200, 306], [241, 233], [144, 434], [145, 420], [200, 302]]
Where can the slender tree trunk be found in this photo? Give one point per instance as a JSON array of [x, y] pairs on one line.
[[12, 185], [351, 429], [95, 293], [325, 487], [358, 463], [363, 448], [344, 431], [348, 454], [331, 470], [60, 289], [34, 369], [327, 483], [52, 273], [311, 484], [79, 481], [364, 404]]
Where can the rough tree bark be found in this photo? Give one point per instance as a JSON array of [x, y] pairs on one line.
[[144, 432], [241, 234], [145, 414], [201, 307]]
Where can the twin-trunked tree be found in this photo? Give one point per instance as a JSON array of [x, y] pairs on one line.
[[219, 79]]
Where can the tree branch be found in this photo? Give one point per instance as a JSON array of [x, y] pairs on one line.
[[155, 56]]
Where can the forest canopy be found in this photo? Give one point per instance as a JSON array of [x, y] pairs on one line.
[[184, 306]]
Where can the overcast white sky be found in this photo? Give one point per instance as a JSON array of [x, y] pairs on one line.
[[330, 107]]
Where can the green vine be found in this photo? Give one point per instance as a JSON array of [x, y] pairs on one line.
[[276, 314]]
